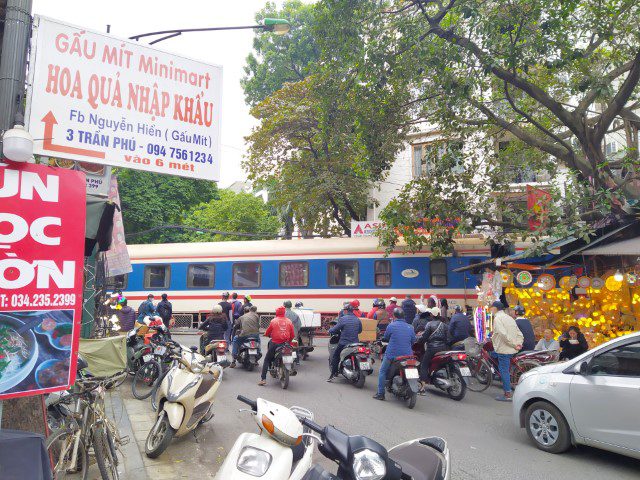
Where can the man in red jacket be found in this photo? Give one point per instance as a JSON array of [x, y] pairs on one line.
[[280, 330]]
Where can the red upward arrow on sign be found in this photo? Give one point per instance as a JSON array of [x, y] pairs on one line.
[[49, 121]]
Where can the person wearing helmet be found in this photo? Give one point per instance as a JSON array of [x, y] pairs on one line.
[[295, 320], [423, 316], [529, 342], [299, 304], [375, 308], [435, 338], [356, 309], [349, 327], [246, 327], [401, 338], [280, 331], [214, 326], [381, 316]]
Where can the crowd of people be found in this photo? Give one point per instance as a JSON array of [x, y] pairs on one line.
[[401, 324]]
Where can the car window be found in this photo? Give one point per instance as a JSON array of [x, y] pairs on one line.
[[622, 361]]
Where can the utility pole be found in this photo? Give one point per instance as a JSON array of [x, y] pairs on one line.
[[13, 68], [13, 60]]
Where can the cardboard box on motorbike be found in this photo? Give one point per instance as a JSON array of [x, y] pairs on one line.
[[369, 330]]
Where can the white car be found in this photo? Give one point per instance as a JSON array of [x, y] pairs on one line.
[[593, 400]]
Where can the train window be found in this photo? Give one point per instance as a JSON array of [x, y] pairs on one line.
[[382, 273], [344, 273], [119, 282], [200, 276], [157, 276], [439, 277], [246, 275], [294, 274]]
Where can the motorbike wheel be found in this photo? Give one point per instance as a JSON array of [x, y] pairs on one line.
[[359, 383], [159, 437], [459, 390], [410, 399], [107, 460], [284, 377], [525, 366], [481, 375], [248, 365], [145, 380]]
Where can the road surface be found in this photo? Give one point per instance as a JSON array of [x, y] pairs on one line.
[[482, 438]]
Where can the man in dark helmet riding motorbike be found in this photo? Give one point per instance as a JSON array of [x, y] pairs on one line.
[[349, 327]]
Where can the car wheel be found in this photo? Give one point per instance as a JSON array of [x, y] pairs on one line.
[[547, 427]]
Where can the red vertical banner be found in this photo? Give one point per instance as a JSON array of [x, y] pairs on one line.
[[42, 228], [538, 205]]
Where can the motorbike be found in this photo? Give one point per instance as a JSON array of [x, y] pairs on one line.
[[249, 353], [217, 350], [355, 361], [402, 379], [184, 398], [282, 366], [282, 450], [447, 371], [359, 457], [139, 342]]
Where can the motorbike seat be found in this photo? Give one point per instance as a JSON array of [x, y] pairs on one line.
[[418, 462], [524, 352], [356, 344]]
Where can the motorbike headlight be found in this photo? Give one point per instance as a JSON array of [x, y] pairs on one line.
[[253, 461], [368, 465]]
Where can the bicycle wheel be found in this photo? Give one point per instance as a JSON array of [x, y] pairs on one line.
[[524, 366], [144, 382], [106, 457], [481, 375], [60, 446]]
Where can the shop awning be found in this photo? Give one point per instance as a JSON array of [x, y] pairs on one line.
[[503, 261], [593, 242], [623, 247]]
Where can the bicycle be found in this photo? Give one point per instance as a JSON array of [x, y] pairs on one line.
[[85, 426]]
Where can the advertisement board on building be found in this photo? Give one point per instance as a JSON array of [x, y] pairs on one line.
[[364, 229], [42, 228], [101, 99]]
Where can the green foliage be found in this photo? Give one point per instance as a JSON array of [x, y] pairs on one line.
[[324, 140], [232, 212], [277, 60], [552, 77], [149, 200]]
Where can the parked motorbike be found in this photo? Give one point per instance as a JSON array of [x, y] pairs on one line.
[[359, 457], [282, 366], [185, 399], [217, 350], [282, 450], [355, 361], [402, 379], [249, 353], [447, 371]]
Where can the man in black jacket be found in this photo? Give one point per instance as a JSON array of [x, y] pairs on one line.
[[460, 327], [529, 342], [436, 339], [165, 310]]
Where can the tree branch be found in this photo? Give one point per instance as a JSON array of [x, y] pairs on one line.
[[619, 100], [588, 99]]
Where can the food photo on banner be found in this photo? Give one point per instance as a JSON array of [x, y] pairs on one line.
[[42, 229]]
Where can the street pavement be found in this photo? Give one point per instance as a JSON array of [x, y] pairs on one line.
[[482, 437]]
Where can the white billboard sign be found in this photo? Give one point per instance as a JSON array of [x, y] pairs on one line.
[[364, 228], [97, 98]]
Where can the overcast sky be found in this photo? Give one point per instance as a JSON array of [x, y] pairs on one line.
[[226, 48]]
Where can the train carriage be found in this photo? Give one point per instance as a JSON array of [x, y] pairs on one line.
[[322, 273]]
